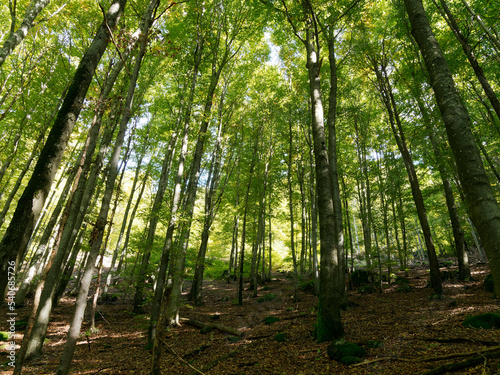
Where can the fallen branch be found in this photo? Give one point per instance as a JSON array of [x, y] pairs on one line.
[[180, 358], [220, 327], [474, 361], [458, 340], [435, 358]]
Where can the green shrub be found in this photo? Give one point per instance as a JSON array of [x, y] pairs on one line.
[[308, 286], [400, 280], [483, 321]]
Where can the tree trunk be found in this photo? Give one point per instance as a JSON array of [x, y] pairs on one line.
[[329, 324], [387, 96], [482, 205]]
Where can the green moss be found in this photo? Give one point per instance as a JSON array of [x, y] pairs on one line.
[[280, 337], [4, 336], [206, 329], [374, 344], [271, 319], [483, 321], [340, 349], [350, 360]]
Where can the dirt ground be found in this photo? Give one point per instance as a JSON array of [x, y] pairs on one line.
[[416, 333]]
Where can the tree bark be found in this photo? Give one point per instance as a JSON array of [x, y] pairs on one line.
[[329, 324]]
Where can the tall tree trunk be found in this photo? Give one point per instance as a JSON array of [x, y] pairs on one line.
[[329, 323], [290, 209], [332, 160], [388, 99], [482, 205], [244, 228], [33, 198]]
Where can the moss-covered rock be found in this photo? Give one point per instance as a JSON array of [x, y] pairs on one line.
[[340, 349], [483, 321]]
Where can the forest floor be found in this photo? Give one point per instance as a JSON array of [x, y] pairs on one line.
[[415, 332]]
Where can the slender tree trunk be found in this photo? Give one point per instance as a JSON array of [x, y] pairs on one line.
[[386, 93], [290, 209], [243, 230], [482, 205], [138, 298], [329, 324]]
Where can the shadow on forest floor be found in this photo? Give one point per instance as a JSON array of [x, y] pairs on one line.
[[412, 330]]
